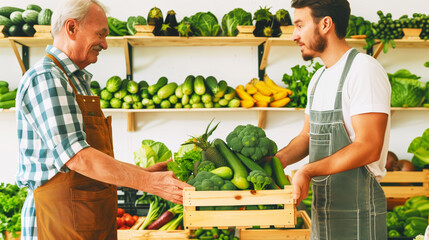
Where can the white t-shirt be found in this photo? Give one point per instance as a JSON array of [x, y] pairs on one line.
[[366, 89]]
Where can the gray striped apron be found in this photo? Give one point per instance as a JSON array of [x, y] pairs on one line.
[[351, 204]]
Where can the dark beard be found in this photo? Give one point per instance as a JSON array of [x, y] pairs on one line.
[[317, 45]]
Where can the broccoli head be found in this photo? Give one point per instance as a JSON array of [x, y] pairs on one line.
[[207, 181], [250, 141], [259, 179], [206, 166]]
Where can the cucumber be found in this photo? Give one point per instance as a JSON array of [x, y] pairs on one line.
[[167, 90], [16, 18], [278, 173], [240, 172], [15, 30], [34, 7], [5, 21], [185, 100], [4, 84], [7, 104], [153, 89], [229, 94], [4, 90], [195, 98], [6, 11], [188, 85], [44, 17], [212, 85], [222, 88], [143, 84], [178, 92], [28, 30], [8, 96], [249, 163], [199, 85], [30, 16]]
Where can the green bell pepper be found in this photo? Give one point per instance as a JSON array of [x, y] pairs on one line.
[[412, 200], [417, 203], [411, 213], [393, 233], [422, 219], [423, 209], [410, 231]]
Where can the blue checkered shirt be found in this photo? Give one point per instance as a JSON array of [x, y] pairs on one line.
[[50, 126]]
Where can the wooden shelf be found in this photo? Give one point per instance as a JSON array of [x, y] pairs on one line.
[[4, 42], [404, 43], [43, 41], [148, 41]]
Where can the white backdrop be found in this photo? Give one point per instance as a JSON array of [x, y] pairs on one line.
[[236, 65]]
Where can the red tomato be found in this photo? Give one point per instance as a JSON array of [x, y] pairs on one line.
[[119, 222], [120, 212], [135, 217], [129, 221], [124, 227]]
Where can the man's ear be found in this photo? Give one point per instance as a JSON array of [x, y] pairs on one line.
[[326, 24], [71, 27]]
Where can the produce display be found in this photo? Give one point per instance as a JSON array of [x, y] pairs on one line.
[[214, 233], [11, 201], [410, 219], [298, 83], [234, 18], [7, 98], [358, 26], [420, 148], [268, 24], [20, 22], [407, 90]]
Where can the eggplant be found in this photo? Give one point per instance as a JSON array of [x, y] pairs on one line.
[[171, 21], [264, 21]]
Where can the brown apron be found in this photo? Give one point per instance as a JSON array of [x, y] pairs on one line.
[[70, 205]]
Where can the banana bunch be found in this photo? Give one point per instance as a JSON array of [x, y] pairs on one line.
[[263, 93]]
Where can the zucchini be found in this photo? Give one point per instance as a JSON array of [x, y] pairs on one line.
[[143, 84], [7, 104], [188, 85], [185, 100], [8, 96], [153, 89], [194, 99], [229, 94], [223, 102], [4, 90], [28, 30], [16, 18], [5, 21], [4, 84], [222, 88], [6, 11], [278, 173], [44, 17], [199, 85], [178, 92], [240, 172], [167, 90], [30, 16], [34, 7], [212, 85]]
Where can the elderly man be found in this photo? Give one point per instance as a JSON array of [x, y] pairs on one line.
[[65, 142]]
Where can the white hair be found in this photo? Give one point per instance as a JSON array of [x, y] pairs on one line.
[[75, 9]]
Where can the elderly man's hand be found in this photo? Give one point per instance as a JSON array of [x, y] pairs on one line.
[[167, 186]]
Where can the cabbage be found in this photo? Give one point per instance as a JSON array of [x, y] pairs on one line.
[[113, 84], [236, 17], [151, 152], [205, 24], [407, 92]]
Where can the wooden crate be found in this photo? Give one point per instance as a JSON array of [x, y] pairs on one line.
[[279, 234], [396, 184], [152, 235], [281, 218]]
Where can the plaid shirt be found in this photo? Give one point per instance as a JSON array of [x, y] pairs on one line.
[[50, 126]]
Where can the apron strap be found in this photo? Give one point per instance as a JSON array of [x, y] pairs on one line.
[[338, 99], [62, 69]]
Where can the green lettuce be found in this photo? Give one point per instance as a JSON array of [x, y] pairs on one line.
[[205, 24], [236, 17], [407, 92], [420, 148], [150, 153]]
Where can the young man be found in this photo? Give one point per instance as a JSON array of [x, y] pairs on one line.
[[65, 142], [346, 128]]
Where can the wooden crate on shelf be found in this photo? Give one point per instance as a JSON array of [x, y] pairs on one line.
[[281, 218], [152, 235], [279, 234], [398, 186]]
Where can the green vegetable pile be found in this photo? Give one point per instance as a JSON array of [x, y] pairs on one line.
[[214, 233], [7, 97], [410, 219], [234, 18], [420, 148], [19, 22], [407, 90], [268, 24], [358, 26], [298, 83], [12, 199], [151, 152], [194, 92]]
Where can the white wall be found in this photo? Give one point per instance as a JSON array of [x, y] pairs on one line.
[[236, 65]]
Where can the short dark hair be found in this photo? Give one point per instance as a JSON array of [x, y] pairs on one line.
[[338, 10]]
